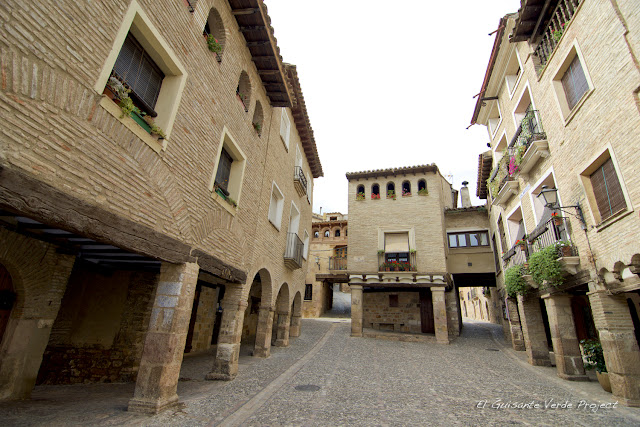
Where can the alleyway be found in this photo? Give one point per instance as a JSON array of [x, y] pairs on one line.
[[341, 304], [327, 378]]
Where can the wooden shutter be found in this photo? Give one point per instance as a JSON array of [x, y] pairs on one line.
[[574, 83], [224, 169], [607, 190], [396, 242], [136, 68]]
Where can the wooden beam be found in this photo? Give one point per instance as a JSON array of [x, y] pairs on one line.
[[35, 199], [258, 44], [249, 11], [244, 28], [268, 72], [218, 268]]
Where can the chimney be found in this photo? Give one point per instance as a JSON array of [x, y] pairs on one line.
[[464, 195]]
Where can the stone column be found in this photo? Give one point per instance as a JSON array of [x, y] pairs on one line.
[[294, 328], [263, 334], [282, 333], [164, 343], [27, 335], [535, 337], [517, 339], [564, 337], [622, 356], [440, 315], [225, 365], [356, 310]]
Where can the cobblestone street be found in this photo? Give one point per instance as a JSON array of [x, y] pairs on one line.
[[328, 378]]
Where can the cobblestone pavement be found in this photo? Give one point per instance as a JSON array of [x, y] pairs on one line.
[[347, 381]]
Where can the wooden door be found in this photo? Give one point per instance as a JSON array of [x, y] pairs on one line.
[[7, 298], [426, 312]]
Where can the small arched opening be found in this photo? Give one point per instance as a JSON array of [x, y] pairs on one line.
[[375, 191], [258, 118], [337, 233], [360, 193], [406, 188], [391, 190], [243, 90], [422, 188], [214, 33]]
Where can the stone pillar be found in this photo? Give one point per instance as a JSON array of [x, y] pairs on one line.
[[282, 333], [564, 337], [164, 343], [440, 315], [356, 310], [294, 328], [517, 339], [225, 365], [622, 356], [535, 337], [27, 335], [263, 334]]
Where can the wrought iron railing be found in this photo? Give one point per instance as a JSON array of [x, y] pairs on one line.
[[517, 255], [562, 14], [337, 263], [298, 176], [293, 252], [550, 233], [530, 129]]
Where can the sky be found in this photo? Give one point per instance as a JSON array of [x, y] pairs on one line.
[[390, 86]]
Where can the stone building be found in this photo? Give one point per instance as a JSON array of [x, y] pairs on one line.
[[328, 262], [560, 102], [408, 252], [124, 240]]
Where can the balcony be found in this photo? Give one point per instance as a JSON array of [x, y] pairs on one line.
[[553, 232], [501, 184], [515, 256], [552, 35], [397, 265], [299, 180], [528, 145], [293, 252], [337, 263]]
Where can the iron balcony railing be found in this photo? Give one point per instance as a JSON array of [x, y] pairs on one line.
[[299, 179], [562, 14], [293, 252], [550, 233], [337, 263], [530, 130], [517, 255]]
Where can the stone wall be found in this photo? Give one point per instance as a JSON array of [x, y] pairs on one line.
[[378, 314], [205, 319]]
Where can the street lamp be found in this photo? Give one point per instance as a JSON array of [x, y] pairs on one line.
[[550, 197]]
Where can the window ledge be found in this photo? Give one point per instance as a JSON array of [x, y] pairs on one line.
[[134, 127], [577, 107], [222, 202], [613, 219]]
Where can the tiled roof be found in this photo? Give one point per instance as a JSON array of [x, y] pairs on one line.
[[405, 170]]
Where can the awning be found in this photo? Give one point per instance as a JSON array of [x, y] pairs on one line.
[[396, 242]]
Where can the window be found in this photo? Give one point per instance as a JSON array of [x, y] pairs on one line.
[[327, 234], [375, 191], [224, 171], [215, 27], [513, 72], [406, 188], [607, 191], [337, 233], [305, 241], [333, 218], [360, 190], [396, 247], [341, 252], [391, 189], [309, 189], [468, 239], [243, 90], [145, 63], [294, 219], [422, 187], [308, 292], [393, 301], [494, 118], [316, 234], [135, 68], [276, 206], [574, 83], [228, 173], [285, 127], [258, 118]]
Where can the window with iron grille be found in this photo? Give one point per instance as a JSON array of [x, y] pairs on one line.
[[308, 292], [607, 190], [574, 83], [136, 68], [224, 170]]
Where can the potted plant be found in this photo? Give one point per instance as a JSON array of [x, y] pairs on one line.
[[213, 44], [391, 194], [522, 243], [545, 268], [257, 127], [405, 192], [557, 34], [360, 196], [423, 192], [514, 283], [594, 358], [557, 220], [564, 248], [375, 196]]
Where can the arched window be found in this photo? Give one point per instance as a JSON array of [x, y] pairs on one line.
[[327, 234], [391, 191], [316, 234], [360, 193], [243, 90], [337, 233], [422, 187], [375, 191], [406, 188], [214, 33], [346, 231], [258, 118]]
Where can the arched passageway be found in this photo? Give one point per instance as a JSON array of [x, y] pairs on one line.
[[280, 334]]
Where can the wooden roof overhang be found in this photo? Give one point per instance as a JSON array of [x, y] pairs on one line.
[[255, 25], [407, 170], [532, 16], [303, 125], [484, 170]]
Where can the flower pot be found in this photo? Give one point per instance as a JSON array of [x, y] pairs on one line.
[[141, 121], [110, 93], [557, 221], [565, 251], [523, 247], [603, 379]]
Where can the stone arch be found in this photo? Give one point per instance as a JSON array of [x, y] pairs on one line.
[[618, 267], [375, 189], [391, 186], [280, 329], [214, 26], [336, 232], [258, 296], [258, 118], [282, 301], [422, 186], [406, 187], [243, 90], [296, 315], [326, 232]]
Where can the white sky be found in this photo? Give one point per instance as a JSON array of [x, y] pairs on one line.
[[389, 86]]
